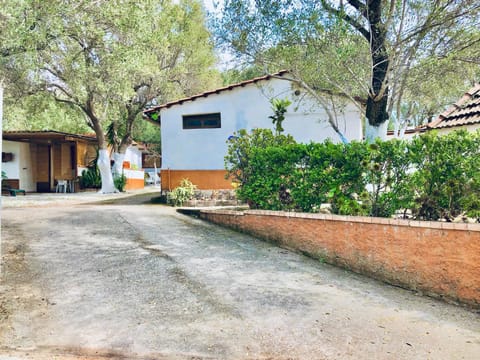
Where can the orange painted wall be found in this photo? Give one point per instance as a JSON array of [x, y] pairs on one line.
[[203, 179], [440, 259], [134, 184]]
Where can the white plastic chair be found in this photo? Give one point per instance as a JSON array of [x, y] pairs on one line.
[[61, 186]]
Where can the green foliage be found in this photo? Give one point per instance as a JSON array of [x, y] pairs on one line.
[[279, 107], [240, 147], [182, 193], [447, 176], [149, 134], [385, 169], [433, 177], [269, 181], [232, 76], [4, 175], [304, 176], [91, 178], [120, 182], [102, 61], [40, 112], [364, 49]]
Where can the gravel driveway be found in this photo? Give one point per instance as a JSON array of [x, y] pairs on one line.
[[122, 280]]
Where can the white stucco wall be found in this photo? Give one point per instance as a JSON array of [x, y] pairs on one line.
[[27, 181], [246, 107], [21, 167], [134, 174], [12, 168], [471, 128], [441, 131], [134, 156]]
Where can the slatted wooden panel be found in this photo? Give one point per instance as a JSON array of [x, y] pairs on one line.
[[43, 170]]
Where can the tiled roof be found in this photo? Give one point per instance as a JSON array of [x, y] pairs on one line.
[[211, 92], [24, 135], [465, 111]]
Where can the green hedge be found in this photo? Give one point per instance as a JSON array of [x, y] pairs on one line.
[[430, 177]]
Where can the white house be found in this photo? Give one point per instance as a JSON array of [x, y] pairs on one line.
[[195, 130]]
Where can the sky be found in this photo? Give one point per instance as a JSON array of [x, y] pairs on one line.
[[225, 59], [209, 4]]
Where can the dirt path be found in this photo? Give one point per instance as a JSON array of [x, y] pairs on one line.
[[124, 281]]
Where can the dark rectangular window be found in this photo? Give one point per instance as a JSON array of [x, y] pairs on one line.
[[202, 121]]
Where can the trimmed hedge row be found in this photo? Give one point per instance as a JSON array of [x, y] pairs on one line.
[[430, 177]]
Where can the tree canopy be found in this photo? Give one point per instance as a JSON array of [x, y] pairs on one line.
[[386, 52], [108, 59]]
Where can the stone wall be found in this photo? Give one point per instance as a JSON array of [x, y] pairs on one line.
[[437, 258]]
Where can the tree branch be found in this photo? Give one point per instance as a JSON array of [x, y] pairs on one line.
[[361, 7], [342, 15], [322, 102]]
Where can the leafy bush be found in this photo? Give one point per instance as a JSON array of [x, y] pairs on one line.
[[303, 177], [272, 174], [240, 147], [91, 178], [432, 177], [386, 171], [120, 182], [446, 181], [279, 107], [182, 193]]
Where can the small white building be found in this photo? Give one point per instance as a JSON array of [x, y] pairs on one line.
[[464, 114], [195, 130], [132, 167]]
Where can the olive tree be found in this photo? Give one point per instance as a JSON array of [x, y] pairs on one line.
[[364, 48], [110, 59]]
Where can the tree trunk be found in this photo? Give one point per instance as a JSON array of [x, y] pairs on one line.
[[103, 161], [103, 164], [373, 132], [119, 155], [376, 111], [118, 159]]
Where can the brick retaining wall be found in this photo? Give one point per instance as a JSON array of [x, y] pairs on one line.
[[437, 258]]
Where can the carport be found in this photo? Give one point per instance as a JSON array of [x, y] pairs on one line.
[[35, 160]]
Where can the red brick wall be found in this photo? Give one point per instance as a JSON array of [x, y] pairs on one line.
[[440, 259]]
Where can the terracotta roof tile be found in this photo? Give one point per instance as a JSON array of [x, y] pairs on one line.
[[465, 111], [211, 92]]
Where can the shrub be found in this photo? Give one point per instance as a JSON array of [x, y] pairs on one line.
[[240, 147], [446, 180], [120, 182], [269, 184], [91, 178], [386, 170], [435, 177], [182, 193]]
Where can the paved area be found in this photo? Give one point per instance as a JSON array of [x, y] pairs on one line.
[[121, 279]]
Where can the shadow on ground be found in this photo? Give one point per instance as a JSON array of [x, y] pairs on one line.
[[140, 199]]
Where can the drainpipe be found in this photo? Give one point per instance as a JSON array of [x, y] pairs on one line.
[[169, 179]]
